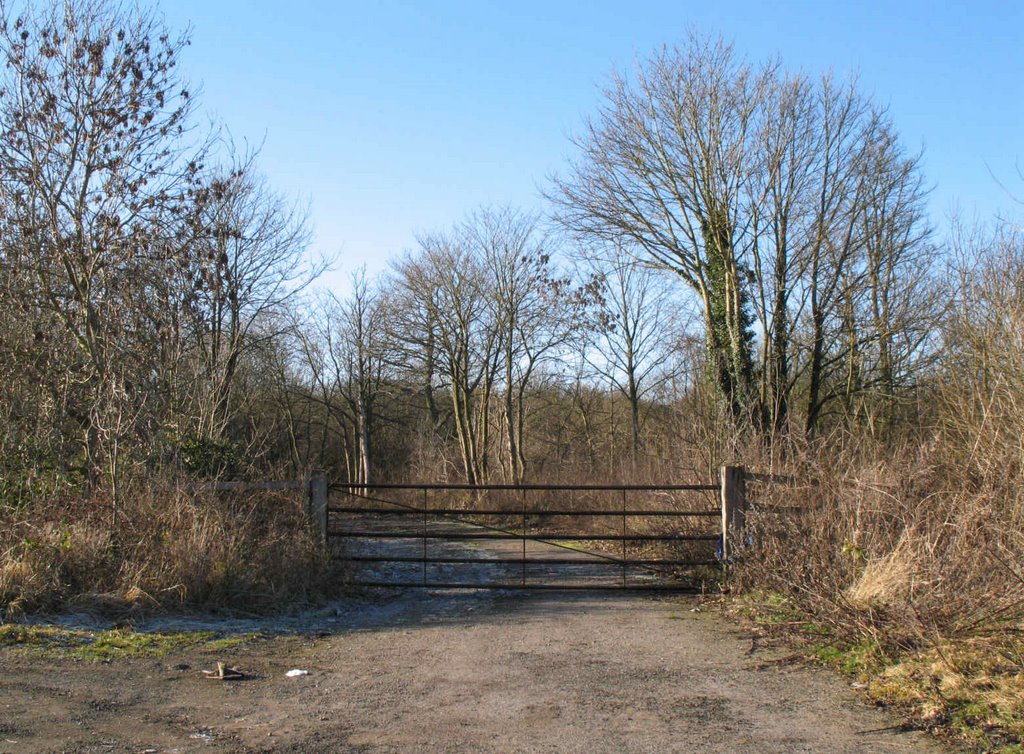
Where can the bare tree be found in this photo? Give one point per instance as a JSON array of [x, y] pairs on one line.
[[367, 356], [532, 311], [344, 353], [246, 261], [633, 333], [480, 309], [160, 280], [902, 304], [92, 165], [663, 170], [444, 289], [757, 188]]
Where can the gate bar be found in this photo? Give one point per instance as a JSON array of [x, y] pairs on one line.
[[505, 512], [535, 537], [539, 561], [342, 486], [680, 587]]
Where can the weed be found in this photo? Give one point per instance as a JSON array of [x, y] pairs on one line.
[[861, 660], [970, 689], [173, 546], [973, 689]]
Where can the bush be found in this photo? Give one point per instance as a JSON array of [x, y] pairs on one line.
[[904, 546], [168, 546]]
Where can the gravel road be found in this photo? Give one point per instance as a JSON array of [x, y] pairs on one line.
[[454, 672]]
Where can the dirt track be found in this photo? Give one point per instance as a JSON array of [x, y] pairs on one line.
[[474, 671]]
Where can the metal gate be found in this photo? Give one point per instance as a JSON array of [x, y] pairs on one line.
[[497, 536]]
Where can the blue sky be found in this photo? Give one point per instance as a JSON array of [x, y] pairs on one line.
[[395, 117]]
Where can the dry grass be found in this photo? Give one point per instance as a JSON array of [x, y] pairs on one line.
[[909, 564], [167, 547], [973, 689], [905, 550], [910, 558]]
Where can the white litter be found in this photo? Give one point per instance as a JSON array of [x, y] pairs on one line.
[[296, 672]]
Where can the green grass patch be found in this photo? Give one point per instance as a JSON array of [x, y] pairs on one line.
[[816, 629], [861, 660], [570, 544], [973, 689], [767, 608], [115, 644]]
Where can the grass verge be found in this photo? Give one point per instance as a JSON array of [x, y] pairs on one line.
[[969, 690]]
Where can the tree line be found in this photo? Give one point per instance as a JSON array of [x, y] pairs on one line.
[[736, 251]]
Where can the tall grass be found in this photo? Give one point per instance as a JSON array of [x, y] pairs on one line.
[[913, 551], [167, 546], [905, 547]]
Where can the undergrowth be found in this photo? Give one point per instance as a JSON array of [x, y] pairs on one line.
[[970, 689], [168, 546], [901, 536]]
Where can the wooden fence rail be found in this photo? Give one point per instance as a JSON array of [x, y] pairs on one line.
[[314, 485]]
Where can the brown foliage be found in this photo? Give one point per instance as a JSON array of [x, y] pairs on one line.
[[173, 546], [924, 540]]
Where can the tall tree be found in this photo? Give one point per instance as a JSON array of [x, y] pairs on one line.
[[632, 335], [663, 169], [93, 166], [247, 260], [532, 311], [444, 288], [756, 188]]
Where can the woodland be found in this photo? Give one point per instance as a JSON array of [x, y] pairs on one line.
[[736, 266]]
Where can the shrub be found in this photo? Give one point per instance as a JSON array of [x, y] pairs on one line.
[[167, 545]]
